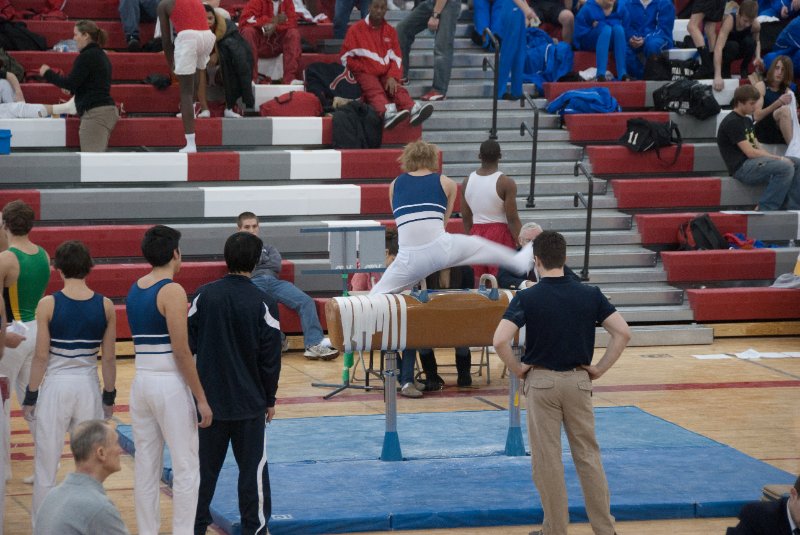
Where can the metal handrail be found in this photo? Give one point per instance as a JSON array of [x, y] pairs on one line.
[[486, 65], [580, 197], [534, 133]]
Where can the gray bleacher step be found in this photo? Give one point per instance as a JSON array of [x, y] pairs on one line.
[[453, 152], [425, 44], [612, 256], [457, 73], [600, 276], [315, 283], [564, 203], [547, 185], [574, 219], [395, 16], [656, 314], [475, 120], [626, 294], [464, 59], [485, 104], [662, 335], [478, 88], [477, 137], [514, 169]]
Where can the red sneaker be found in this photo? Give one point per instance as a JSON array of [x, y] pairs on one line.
[[432, 96]]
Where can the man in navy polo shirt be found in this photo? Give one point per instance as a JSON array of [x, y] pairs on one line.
[[560, 315]]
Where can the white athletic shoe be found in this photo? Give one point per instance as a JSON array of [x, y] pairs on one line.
[[320, 352], [189, 149], [205, 114], [326, 342], [230, 114]]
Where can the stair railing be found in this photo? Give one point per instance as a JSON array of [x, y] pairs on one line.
[[487, 64], [581, 198], [534, 133]]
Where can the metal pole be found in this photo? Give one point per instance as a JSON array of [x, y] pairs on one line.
[[391, 442], [496, 44], [589, 205], [514, 445], [531, 201]]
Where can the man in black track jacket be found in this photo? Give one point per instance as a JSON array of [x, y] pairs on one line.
[[234, 331]]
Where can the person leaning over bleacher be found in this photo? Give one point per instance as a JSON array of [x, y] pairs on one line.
[[90, 82], [737, 39], [371, 51], [231, 62], [773, 115], [748, 163], [270, 28], [649, 32]]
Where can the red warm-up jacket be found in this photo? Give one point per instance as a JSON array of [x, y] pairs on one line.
[[371, 50], [261, 12]]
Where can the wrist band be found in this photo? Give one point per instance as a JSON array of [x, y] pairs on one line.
[[109, 397], [30, 397]]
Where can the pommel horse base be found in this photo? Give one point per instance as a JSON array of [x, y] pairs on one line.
[[393, 322]]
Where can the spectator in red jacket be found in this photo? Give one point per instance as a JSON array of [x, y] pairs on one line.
[[271, 34], [371, 52]]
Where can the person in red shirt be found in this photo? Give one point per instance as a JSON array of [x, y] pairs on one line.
[[271, 30], [371, 52]]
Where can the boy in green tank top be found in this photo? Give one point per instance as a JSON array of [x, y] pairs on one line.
[[25, 272]]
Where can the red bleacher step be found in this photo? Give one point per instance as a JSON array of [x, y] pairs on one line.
[[607, 127], [136, 98], [744, 304], [667, 192], [658, 229], [618, 160], [125, 66], [719, 265]]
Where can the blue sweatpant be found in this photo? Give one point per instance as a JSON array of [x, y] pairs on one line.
[[636, 57], [601, 39], [513, 49]]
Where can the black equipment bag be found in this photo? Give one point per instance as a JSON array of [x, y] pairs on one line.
[[660, 67], [357, 126], [17, 36], [329, 80], [702, 103], [674, 96], [700, 233], [643, 135]]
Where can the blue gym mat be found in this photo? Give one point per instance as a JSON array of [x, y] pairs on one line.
[[326, 476]]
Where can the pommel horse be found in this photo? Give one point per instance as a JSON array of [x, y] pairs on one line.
[[437, 318]]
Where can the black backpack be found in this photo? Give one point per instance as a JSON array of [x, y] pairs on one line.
[[357, 126], [674, 96], [11, 65], [329, 80], [659, 67], [700, 233], [643, 135], [17, 36], [702, 103]]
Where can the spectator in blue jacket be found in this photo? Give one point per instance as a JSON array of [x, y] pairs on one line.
[[782, 9], [787, 44], [600, 26], [649, 32]]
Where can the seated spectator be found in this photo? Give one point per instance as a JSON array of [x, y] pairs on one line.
[[438, 17], [364, 281], [780, 9], [372, 53], [702, 25], [773, 115], [131, 12], [230, 63], [748, 163], [265, 276], [649, 32], [512, 281], [270, 28], [80, 504], [556, 13], [737, 39], [770, 518], [600, 26], [787, 44]]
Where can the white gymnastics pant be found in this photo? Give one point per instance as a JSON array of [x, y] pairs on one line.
[[16, 365], [64, 401], [22, 110], [162, 409], [447, 250]]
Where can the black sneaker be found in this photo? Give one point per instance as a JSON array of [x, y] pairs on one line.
[[134, 45]]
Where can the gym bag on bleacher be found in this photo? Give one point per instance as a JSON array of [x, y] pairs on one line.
[[686, 97], [642, 135], [700, 233], [292, 104]]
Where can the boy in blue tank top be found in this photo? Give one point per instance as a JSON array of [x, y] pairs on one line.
[[72, 326], [162, 407]]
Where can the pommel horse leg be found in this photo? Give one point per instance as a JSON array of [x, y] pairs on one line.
[[391, 442], [514, 445]]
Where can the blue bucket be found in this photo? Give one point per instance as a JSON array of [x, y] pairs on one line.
[[5, 141]]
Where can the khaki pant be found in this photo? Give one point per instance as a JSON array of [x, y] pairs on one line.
[[552, 398], [96, 127]]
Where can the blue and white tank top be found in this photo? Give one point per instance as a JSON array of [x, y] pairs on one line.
[[149, 329], [76, 334], [419, 204]]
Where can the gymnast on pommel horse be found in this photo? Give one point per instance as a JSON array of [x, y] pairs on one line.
[[422, 201]]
